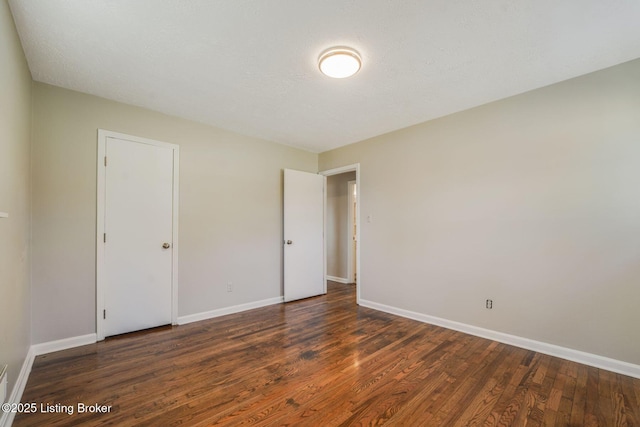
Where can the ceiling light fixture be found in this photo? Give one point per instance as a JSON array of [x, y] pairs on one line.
[[339, 62]]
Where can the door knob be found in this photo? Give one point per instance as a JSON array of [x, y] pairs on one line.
[[289, 242], [166, 245]]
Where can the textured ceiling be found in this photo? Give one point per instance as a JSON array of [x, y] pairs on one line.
[[250, 66]]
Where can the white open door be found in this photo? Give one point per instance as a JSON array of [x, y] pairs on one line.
[[303, 235], [136, 256]]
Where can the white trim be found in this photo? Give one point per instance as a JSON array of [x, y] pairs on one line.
[[338, 279], [350, 225], [6, 418], [324, 233], [190, 318], [578, 356], [100, 208], [341, 169], [139, 139], [351, 168], [176, 241], [4, 215], [63, 344]]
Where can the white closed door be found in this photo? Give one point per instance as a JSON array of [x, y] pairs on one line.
[[303, 235], [138, 225]]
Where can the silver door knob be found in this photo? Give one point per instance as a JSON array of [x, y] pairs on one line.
[[289, 242], [166, 245]]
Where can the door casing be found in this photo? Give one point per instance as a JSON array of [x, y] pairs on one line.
[[349, 168], [100, 224], [351, 222]]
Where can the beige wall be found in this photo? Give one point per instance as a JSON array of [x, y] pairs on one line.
[[532, 201], [230, 209], [15, 113], [337, 233]]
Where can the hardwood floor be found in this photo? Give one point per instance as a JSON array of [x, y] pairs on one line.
[[322, 362]]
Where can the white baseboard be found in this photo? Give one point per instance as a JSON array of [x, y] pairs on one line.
[[64, 344], [338, 279], [613, 365], [190, 318], [6, 418]]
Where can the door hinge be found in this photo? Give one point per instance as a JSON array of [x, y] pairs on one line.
[[104, 314], [104, 237], [105, 160]]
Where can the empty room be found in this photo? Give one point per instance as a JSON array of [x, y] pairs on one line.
[[319, 213]]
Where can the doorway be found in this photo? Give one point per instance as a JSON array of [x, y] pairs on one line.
[[136, 239], [342, 231]]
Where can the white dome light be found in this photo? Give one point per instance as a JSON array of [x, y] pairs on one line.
[[339, 62]]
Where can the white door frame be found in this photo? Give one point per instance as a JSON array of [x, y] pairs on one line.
[[100, 212], [351, 276], [336, 171]]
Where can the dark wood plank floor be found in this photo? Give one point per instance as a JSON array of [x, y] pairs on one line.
[[322, 362]]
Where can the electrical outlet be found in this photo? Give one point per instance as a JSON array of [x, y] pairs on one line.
[[229, 286], [489, 304]]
